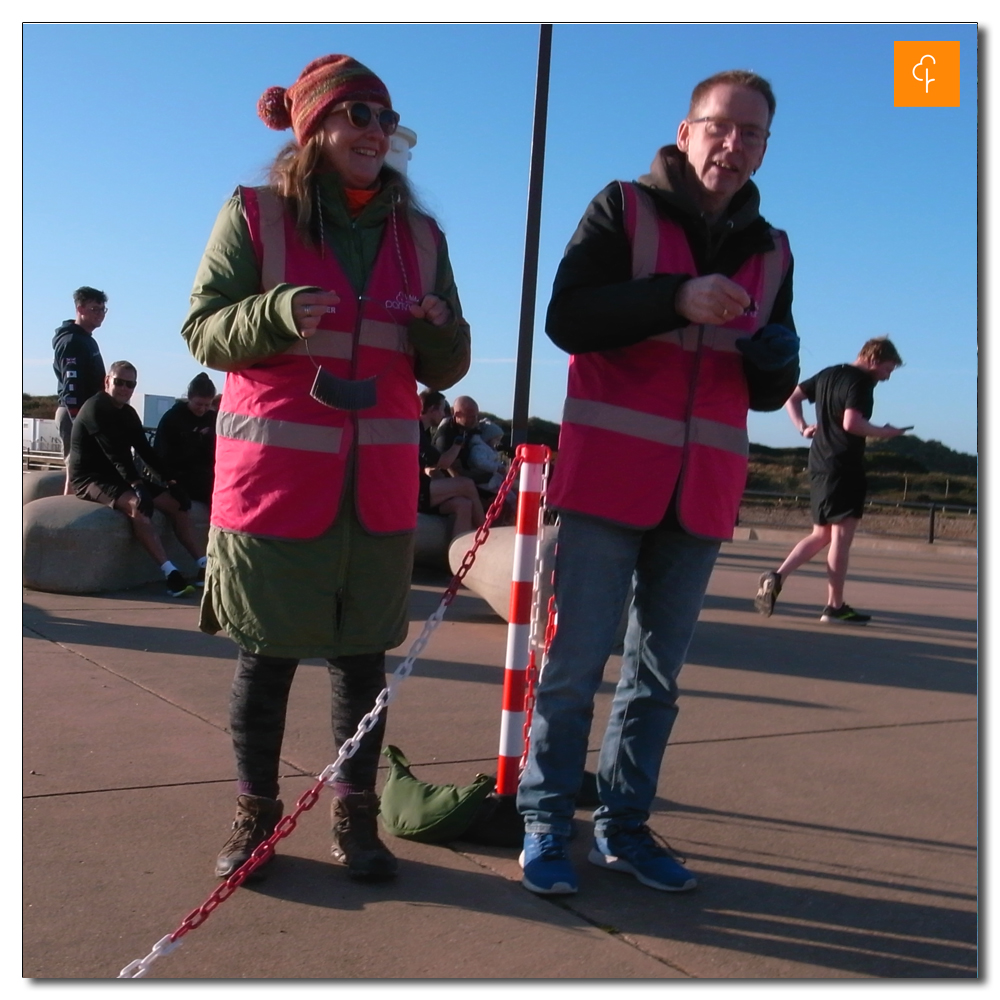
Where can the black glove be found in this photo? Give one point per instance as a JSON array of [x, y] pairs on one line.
[[180, 495], [770, 348], [145, 500]]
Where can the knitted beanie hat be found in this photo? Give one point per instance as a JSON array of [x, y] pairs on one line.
[[324, 82], [201, 387]]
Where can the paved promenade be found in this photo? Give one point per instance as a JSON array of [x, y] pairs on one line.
[[822, 782]]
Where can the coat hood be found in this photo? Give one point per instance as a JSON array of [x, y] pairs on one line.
[[69, 328], [667, 179]]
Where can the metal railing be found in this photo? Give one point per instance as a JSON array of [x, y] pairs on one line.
[[933, 509]]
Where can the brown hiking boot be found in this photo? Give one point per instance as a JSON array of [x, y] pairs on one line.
[[355, 838], [256, 818]]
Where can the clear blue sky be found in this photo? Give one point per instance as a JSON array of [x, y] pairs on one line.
[[134, 135]]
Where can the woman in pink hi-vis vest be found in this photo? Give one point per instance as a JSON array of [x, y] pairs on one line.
[[325, 296]]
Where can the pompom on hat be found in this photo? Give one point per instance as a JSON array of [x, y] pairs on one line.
[[325, 82]]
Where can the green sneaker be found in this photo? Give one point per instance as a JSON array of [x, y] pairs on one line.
[[845, 613]]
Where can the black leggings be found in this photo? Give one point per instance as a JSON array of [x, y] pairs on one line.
[[259, 701]]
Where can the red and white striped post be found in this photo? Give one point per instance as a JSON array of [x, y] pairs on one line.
[[533, 458]]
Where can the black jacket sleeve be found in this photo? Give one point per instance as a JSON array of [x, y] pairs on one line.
[[596, 304]]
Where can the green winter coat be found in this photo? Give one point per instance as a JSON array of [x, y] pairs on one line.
[[345, 592]]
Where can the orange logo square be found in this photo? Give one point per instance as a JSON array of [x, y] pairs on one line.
[[925, 74]]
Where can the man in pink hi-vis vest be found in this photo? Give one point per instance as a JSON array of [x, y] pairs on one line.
[[674, 301]]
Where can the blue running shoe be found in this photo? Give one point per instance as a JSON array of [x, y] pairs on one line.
[[547, 868], [637, 852]]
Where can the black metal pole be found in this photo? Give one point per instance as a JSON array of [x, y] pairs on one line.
[[529, 281]]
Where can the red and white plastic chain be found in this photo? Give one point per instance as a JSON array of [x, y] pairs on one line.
[[138, 968]]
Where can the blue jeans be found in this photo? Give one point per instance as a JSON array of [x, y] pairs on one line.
[[595, 561]]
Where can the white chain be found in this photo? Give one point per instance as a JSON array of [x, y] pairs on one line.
[[139, 968]]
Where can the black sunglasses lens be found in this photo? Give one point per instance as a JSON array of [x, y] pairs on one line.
[[388, 120], [360, 115]]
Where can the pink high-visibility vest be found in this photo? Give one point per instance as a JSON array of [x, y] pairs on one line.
[[670, 412], [281, 456]]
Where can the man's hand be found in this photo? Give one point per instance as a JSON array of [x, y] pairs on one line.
[[308, 308], [433, 309], [713, 298], [809, 431]]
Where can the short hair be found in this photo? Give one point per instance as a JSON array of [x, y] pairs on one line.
[[738, 78], [87, 294], [122, 366], [879, 349], [430, 398]]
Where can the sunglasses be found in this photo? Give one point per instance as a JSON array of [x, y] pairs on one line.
[[128, 383], [360, 116]]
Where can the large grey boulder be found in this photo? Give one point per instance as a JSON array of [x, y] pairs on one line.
[[72, 546], [40, 483]]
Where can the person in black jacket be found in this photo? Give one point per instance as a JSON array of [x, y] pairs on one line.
[[674, 298], [106, 433], [77, 361], [185, 439]]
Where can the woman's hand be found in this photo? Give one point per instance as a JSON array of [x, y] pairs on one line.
[[432, 309], [308, 308]]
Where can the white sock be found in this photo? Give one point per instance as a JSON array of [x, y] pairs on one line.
[[168, 567]]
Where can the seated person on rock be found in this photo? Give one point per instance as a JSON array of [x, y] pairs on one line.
[[106, 433], [185, 439], [483, 456], [440, 493]]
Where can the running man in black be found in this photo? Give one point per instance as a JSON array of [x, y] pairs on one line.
[[106, 433], [845, 397]]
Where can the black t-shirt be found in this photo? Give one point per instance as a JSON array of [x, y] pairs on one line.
[[834, 390], [101, 447]]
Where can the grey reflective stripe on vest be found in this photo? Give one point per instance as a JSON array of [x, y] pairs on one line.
[[650, 427], [388, 430], [622, 420], [724, 437], [774, 274], [326, 344], [272, 238], [385, 336], [279, 433], [646, 244]]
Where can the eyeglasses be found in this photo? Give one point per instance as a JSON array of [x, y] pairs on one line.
[[360, 116], [128, 383], [718, 128], [96, 309]]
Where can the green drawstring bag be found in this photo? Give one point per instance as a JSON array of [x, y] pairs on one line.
[[432, 814]]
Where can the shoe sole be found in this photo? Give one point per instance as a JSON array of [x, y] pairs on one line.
[[617, 864], [766, 597], [186, 592], [558, 889], [830, 620]]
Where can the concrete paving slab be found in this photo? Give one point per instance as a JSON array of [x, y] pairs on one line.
[[97, 898], [822, 782]]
